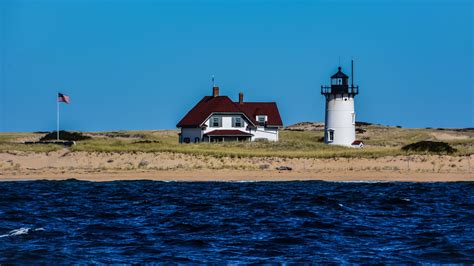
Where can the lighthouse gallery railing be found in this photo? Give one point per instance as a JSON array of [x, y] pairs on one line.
[[338, 90]]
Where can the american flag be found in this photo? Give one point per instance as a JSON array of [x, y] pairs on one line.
[[63, 98]]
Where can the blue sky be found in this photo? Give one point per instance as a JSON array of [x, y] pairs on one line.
[[144, 64]]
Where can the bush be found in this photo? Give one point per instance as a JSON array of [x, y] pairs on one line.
[[65, 135], [429, 146], [146, 141], [360, 123]]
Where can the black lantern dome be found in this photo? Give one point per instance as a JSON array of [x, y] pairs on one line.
[[340, 74], [339, 85]]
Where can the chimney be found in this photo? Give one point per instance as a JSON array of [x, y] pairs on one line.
[[241, 97], [215, 91]]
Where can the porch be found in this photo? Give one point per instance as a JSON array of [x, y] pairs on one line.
[[227, 135]]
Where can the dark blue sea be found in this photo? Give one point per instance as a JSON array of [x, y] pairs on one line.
[[63, 222]]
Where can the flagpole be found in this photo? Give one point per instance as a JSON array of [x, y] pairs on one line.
[[57, 117]]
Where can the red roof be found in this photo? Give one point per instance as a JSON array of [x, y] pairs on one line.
[[357, 142], [223, 104], [227, 132]]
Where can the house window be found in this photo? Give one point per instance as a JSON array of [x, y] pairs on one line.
[[330, 135], [261, 120], [187, 140], [196, 140], [216, 121], [237, 122]]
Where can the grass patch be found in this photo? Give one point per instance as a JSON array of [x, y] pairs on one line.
[[379, 140], [292, 144], [14, 142]]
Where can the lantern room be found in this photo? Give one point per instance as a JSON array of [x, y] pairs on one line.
[[339, 85], [339, 79]]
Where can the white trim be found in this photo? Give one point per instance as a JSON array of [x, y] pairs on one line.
[[239, 113]]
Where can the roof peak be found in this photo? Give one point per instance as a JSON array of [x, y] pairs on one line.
[[339, 74]]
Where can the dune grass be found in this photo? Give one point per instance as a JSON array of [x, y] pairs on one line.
[[380, 141], [10, 142], [292, 144]]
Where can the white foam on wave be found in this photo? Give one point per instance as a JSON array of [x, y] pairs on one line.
[[20, 231], [16, 232]]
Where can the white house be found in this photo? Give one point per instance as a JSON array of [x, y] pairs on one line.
[[218, 118]]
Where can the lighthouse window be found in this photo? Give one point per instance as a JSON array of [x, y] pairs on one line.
[[330, 135], [353, 118], [337, 81]]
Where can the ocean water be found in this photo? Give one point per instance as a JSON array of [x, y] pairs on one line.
[[64, 222]]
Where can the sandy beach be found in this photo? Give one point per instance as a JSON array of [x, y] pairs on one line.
[[92, 166]]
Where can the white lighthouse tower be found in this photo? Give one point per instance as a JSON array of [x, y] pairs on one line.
[[339, 126]]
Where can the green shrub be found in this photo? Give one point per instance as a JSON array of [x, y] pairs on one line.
[[429, 146], [361, 123], [65, 135]]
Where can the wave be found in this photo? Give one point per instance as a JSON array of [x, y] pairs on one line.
[[20, 231]]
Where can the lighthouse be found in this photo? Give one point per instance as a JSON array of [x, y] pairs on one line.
[[339, 126]]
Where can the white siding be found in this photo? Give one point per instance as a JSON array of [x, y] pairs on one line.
[[268, 133], [191, 133], [339, 118], [226, 123]]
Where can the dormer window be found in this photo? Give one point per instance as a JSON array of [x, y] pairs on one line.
[[216, 121], [237, 122], [261, 119]]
